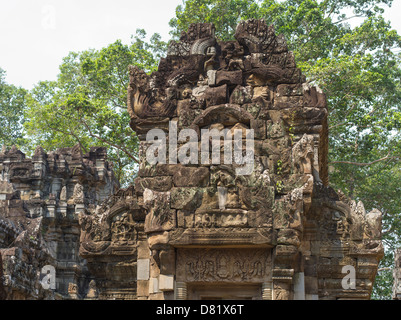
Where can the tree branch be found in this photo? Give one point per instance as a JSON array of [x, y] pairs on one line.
[[345, 117], [79, 141], [348, 18], [70, 132], [108, 142], [361, 164]]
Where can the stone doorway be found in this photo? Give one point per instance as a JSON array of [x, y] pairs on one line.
[[224, 291]]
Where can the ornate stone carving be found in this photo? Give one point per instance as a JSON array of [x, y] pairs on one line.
[[274, 226], [226, 265], [221, 236], [160, 217], [302, 155], [78, 194], [114, 225], [40, 200]]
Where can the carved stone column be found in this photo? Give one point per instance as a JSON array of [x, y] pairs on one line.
[[283, 271], [181, 291], [267, 291], [282, 280]]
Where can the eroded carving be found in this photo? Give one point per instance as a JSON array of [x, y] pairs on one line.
[[232, 265]]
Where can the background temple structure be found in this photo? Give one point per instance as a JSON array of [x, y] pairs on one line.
[[40, 199], [197, 231]]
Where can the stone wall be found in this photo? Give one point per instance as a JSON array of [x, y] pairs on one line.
[[40, 199], [278, 232]]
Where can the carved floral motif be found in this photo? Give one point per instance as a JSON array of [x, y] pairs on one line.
[[223, 265]]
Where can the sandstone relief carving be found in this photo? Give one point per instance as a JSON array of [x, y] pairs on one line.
[[279, 227], [227, 265]]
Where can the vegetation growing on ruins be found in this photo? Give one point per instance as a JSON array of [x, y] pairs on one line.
[[345, 47], [348, 49]]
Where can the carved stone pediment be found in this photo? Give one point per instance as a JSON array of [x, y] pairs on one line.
[[114, 228], [20, 171], [226, 114], [222, 237]]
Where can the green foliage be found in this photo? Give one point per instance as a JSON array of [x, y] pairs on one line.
[[12, 103], [224, 14], [358, 67], [87, 103]]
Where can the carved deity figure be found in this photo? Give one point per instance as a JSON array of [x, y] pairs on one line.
[[78, 194], [302, 155]]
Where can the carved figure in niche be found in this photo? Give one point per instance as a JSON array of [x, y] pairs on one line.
[[232, 53], [73, 290], [222, 267], [78, 194], [160, 216], [302, 155], [210, 64], [123, 228], [280, 292], [63, 194], [93, 292]]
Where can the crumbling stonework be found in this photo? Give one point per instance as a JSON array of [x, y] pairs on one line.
[[40, 199], [205, 229], [196, 230]]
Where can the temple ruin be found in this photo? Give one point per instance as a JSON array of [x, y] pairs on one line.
[[195, 230], [40, 201]]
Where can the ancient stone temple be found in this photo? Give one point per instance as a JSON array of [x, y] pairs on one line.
[[203, 229], [40, 200], [232, 198]]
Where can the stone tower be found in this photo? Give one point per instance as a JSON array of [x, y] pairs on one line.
[[40, 200], [201, 228]]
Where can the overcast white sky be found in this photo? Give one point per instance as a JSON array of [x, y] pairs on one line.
[[36, 34]]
